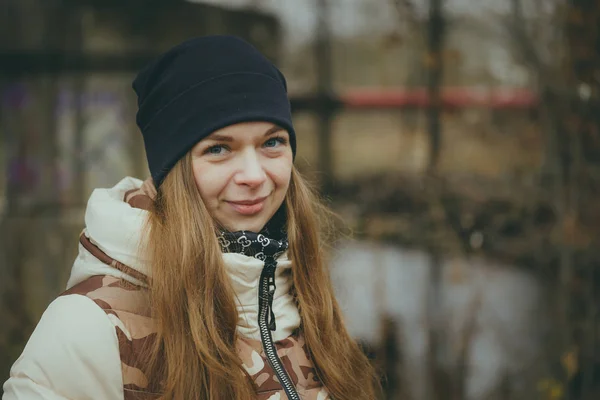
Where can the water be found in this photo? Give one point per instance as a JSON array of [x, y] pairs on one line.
[[500, 307]]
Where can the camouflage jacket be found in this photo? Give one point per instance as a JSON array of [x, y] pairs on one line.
[[87, 344]]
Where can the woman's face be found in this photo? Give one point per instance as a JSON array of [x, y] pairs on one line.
[[243, 172]]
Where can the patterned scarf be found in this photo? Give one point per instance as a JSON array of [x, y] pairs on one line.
[[257, 245], [271, 241]]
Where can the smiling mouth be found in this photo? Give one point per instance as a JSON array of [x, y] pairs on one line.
[[248, 207]]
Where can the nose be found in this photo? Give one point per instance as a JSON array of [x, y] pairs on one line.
[[251, 172]]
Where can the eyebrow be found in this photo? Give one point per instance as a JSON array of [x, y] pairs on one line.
[[224, 138]]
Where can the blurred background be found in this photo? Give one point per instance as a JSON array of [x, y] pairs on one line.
[[458, 139]]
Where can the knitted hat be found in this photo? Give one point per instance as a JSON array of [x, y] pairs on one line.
[[202, 85]]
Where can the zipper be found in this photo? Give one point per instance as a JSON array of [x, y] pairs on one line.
[[266, 324]]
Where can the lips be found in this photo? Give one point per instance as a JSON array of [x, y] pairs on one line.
[[248, 207]]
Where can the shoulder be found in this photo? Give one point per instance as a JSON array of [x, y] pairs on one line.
[[114, 295], [72, 352], [72, 322]]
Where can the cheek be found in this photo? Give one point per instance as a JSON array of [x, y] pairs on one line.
[[281, 173], [209, 181]]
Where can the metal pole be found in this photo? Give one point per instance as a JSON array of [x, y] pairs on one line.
[[324, 91], [434, 81], [434, 300]]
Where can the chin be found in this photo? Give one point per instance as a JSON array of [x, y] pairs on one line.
[[252, 226]]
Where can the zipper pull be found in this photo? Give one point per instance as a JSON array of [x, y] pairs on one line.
[[272, 325], [271, 264]]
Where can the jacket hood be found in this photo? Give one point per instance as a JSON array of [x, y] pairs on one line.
[[114, 227]]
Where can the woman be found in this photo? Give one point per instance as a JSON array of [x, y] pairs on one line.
[[207, 281]]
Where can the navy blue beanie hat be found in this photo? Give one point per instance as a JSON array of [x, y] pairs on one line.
[[202, 85]]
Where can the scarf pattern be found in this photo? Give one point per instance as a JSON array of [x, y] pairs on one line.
[[252, 244], [271, 241]]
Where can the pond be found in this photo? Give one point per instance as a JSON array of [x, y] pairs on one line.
[[492, 315]]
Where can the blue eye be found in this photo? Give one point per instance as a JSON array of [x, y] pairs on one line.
[[274, 142], [215, 150]]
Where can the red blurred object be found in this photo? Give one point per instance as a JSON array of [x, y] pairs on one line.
[[451, 98]]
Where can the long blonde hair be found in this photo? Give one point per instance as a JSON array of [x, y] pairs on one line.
[[194, 356]]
